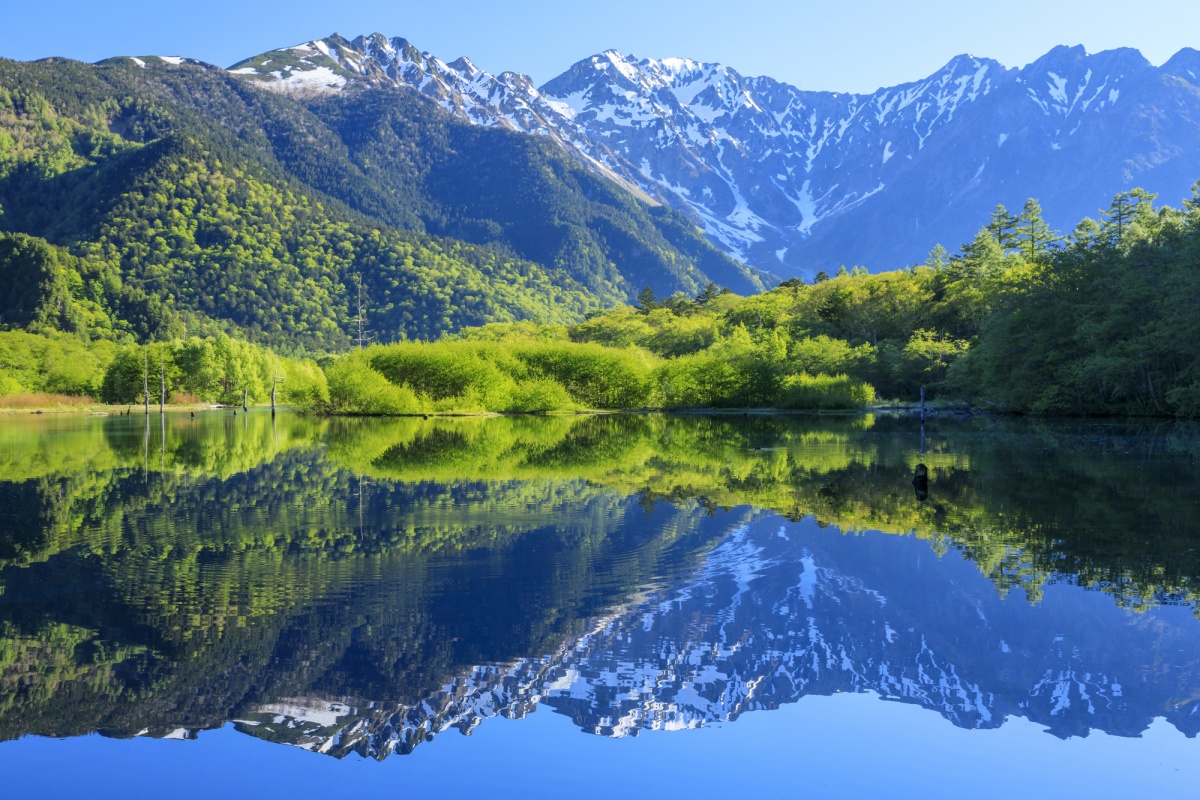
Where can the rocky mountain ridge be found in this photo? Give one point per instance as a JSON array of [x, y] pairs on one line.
[[788, 180]]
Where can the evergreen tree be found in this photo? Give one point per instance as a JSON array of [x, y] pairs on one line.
[[938, 258], [1003, 227], [1126, 209], [709, 293], [647, 300], [1033, 236]]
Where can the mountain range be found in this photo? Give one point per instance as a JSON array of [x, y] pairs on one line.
[[789, 180], [163, 196]]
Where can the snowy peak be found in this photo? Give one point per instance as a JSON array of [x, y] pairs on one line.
[[151, 62], [335, 64], [785, 179], [1067, 81]]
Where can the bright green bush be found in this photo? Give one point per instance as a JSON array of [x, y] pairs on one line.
[[596, 376], [57, 364], [521, 375], [304, 383], [355, 388], [825, 392], [481, 372], [702, 380], [540, 394]]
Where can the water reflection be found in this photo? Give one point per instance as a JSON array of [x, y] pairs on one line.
[[361, 586]]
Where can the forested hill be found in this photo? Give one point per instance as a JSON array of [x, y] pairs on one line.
[[156, 198]]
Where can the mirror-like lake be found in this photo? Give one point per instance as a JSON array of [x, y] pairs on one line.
[[839, 606]]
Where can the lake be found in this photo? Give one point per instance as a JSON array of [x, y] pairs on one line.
[[581, 605]]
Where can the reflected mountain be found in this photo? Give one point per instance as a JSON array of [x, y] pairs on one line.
[[361, 586]]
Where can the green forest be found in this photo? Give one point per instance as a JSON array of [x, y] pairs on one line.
[[172, 231], [1020, 320], [172, 201]]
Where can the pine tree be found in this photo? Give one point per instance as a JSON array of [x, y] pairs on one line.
[[1003, 228], [1126, 208], [938, 258], [1033, 236], [709, 293], [647, 300]]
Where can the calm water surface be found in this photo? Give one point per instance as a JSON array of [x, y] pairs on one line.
[[678, 605]]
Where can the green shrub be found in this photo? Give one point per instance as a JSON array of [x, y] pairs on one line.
[[596, 376], [540, 394], [450, 369], [304, 384], [701, 380], [825, 392], [355, 388]]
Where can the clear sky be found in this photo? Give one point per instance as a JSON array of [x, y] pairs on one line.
[[852, 45]]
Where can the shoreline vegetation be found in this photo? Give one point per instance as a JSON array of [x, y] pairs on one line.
[[1019, 321]]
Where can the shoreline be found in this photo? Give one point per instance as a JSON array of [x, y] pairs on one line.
[[931, 411]]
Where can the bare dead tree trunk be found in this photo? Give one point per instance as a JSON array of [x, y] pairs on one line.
[[274, 389], [146, 381], [364, 335], [162, 383]]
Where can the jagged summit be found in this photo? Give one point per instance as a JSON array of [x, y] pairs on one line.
[[786, 179]]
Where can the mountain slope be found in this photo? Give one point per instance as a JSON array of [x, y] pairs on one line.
[[789, 180], [240, 210]]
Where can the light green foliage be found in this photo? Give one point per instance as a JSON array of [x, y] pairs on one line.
[[824, 355], [596, 376], [928, 356], [699, 380], [825, 392], [539, 394], [302, 383], [58, 364], [518, 375], [355, 387], [217, 369]]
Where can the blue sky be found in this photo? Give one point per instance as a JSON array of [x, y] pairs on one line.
[[847, 46]]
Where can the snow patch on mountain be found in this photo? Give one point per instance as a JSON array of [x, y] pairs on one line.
[[760, 165]]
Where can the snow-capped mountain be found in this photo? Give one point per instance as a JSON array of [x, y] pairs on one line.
[[785, 610], [795, 181]]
